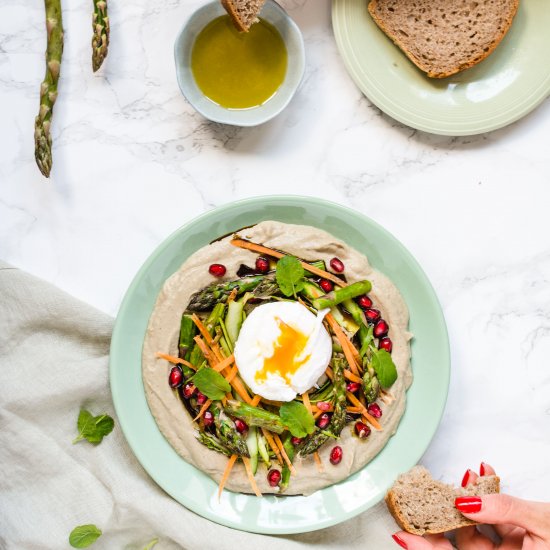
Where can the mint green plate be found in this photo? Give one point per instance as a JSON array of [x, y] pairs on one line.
[[270, 514], [506, 86]]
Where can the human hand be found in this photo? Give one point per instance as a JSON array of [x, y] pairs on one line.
[[520, 524]]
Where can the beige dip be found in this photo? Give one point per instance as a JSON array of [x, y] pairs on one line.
[[162, 334]]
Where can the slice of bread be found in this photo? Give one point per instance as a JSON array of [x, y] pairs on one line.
[[422, 505], [443, 37], [243, 12]]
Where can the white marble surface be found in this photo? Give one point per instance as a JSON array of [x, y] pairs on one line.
[[133, 162]]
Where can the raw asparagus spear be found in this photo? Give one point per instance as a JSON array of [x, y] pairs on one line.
[[339, 295], [338, 419], [100, 37], [227, 434], [187, 333], [371, 385], [212, 442], [208, 297], [48, 89], [255, 416]]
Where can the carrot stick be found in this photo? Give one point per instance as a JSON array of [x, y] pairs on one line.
[[318, 461], [207, 404], [246, 462], [240, 389], [224, 363], [232, 296], [307, 402], [175, 360], [226, 473], [279, 444], [317, 414], [347, 346], [354, 410], [255, 400], [232, 374], [364, 411], [329, 373], [352, 377], [273, 445], [202, 329], [205, 350], [276, 254]]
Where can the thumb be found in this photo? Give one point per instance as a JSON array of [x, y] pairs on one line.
[[504, 509]]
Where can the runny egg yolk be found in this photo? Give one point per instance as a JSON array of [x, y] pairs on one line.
[[285, 360]]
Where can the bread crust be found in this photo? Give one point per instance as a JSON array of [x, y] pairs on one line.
[[372, 6], [233, 13]]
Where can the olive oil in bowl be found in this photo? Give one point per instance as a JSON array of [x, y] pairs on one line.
[[239, 70]]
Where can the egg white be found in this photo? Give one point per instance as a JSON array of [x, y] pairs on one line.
[[256, 343]]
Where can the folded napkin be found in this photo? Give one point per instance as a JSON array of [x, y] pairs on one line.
[[54, 353]]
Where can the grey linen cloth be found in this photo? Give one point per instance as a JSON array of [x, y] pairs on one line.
[[54, 353]]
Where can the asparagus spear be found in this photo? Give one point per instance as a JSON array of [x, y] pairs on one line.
[[207, 298], [48, 89], [255, 416], [212, 442], [338, 419], [365, 334], [227, 434], [100, 37], [371, 385], [187, 333], [339, 295], [285, 474]]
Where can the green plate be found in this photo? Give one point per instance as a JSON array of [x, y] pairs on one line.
[[425, 399], [506, 86]]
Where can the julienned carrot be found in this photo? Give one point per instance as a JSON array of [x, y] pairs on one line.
[[224, 363], [307, 402], [241, 390], [347, 346], [233, 295], [246, 462], [279, 444], [226, 473], [175, 360], [329, 373], [205, 350], [232, 373], [318, 461], [276, 254], [317, 414], [256, 400], [354, 410], [364, 411], [273, 445], [202, 329], [352, 377], [207, 404]]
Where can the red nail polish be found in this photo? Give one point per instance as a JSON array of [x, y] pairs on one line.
[[399, 541], [482, 469], [466, 478], [468, 505]]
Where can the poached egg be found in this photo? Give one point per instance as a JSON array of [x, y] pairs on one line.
[[282, 350]]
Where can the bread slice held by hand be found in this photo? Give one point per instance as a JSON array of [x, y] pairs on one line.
[[443, 37], [244, 13], [423, 505]]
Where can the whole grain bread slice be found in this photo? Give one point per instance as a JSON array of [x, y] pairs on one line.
[[443, 37], [244, 13], [423, 505]]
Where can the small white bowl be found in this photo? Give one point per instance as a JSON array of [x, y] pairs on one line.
[[292, 37]]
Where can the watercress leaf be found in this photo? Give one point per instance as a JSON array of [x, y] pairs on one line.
[[84, 536], [290, 275], [384, 367], [211, 383], [297, 418]]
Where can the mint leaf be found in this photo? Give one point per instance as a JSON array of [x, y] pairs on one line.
[[84, 536], [297, 418], [93, 428], [211, 383], [383, 365], [290, 275]]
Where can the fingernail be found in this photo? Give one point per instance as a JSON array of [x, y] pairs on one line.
[[399, 541], [466, 478], [482, 469], [469, 505]]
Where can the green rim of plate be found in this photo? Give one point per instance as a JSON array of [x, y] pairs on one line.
[[503, 88], [291, 514]]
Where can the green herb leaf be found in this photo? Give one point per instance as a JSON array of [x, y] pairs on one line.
[[384, 367], [366, 335], [211, 383], [93, 428], [290, 275], [297, 419], [84, 536], [151, 544]]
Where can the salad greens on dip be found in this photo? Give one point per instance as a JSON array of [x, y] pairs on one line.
[[285, 365]]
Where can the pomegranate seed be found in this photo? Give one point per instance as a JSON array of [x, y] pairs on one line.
[[362, 430], [296, 440], [241, 426], [207, 418], [337, 265], [201, 398], [323, 421], [189, 390], [380, 329], [326, 285], [364, 302], [175, 379], [262, 264], [375, 410], [352, 387], [385, 343], [274, 477], [323, 406], [336, 455], [218, 270], [372, 315]]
